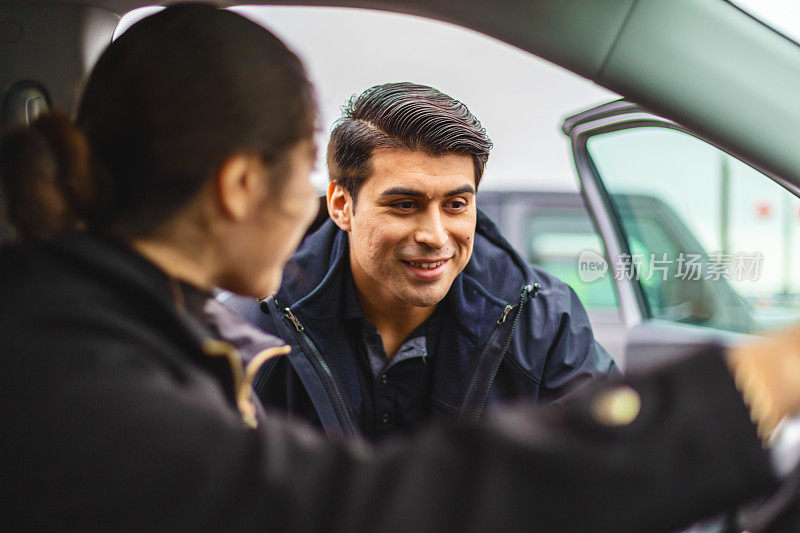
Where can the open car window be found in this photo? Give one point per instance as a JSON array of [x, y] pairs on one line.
[[519, 98]]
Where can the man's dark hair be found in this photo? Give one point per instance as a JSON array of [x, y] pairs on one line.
[[402, 115]]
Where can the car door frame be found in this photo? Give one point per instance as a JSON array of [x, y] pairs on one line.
[[649, 341]]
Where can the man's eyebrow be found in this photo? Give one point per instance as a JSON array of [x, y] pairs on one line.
[[414, 193], [464, 189], [402, 191]]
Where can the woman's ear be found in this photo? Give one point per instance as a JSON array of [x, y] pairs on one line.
[[340, 206], [240, 186]]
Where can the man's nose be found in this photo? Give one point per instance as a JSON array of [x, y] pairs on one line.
[[431, 231]]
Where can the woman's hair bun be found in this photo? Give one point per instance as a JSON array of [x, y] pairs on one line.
[[46, 177]]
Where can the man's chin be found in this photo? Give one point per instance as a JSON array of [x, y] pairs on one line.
[[423, 299], [420, 293]]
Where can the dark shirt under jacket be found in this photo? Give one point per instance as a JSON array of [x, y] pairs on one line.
[[396, 392]]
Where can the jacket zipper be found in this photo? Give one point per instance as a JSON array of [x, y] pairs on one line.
[[504, 316], [527, 291], [330, 384]]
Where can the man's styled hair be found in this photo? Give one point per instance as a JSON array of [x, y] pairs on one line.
[[402, 115]]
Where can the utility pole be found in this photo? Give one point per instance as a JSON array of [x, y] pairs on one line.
[[725, 203]]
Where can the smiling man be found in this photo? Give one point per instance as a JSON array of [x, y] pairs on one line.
[[407, 305], [413, 234]]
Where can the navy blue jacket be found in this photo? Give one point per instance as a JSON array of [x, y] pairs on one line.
[[515, 332]]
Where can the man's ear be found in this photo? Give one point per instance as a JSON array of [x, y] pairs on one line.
[[340, 206], [240, 186]]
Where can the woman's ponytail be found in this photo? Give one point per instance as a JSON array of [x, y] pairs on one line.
[[47, 177]]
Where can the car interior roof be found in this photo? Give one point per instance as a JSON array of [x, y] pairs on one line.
[[705, 64]]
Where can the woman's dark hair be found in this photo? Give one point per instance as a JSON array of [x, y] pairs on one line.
[[45, 176], [166, 104], [402, 115]]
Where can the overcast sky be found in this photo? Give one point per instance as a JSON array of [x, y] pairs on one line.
[[520, 99], [783, 15]]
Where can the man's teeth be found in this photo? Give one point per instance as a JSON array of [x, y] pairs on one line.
[[428, 266]]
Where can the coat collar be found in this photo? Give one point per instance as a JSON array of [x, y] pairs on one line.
[[495, 270], [314, 288]]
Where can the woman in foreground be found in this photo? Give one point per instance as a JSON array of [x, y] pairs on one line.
[[127, 406]]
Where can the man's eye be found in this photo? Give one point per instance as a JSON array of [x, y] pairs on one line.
[[404, 206], [457, 205]]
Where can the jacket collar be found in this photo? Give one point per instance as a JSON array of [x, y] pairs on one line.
[[495, 270], [315, 281]]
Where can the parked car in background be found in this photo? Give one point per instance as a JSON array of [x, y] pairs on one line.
[[555, 230]]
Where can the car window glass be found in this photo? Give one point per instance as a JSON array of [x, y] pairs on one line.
[[712, 241]]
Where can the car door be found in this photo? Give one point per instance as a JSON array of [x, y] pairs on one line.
[[700, 245]]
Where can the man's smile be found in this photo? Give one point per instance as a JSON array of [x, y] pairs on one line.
[[427, 270], [427, 264]]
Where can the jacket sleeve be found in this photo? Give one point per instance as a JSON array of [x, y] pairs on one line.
[[575, 357], [125, 445]]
